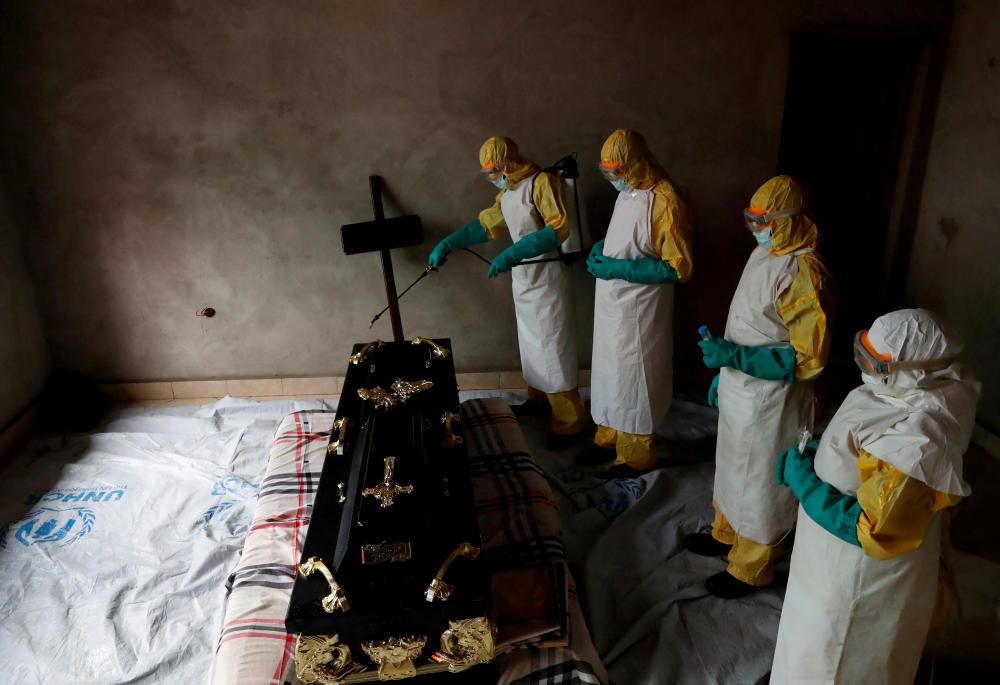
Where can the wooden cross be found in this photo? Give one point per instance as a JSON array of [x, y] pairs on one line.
[[382, 235]]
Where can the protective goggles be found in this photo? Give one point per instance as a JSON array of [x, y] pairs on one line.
[[612, 171], [757, 219], [493, 170], [872, 362]]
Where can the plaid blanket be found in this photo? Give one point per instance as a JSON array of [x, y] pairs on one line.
[[542, 636]]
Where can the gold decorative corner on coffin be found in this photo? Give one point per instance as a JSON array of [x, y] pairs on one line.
[[436, 350], [395, 656], [336, 599], [340, 425], [360, 355], [466, 643], [377, 396], [323, 660], [387, 491], [404, 390], [450, 439], [439, 589]]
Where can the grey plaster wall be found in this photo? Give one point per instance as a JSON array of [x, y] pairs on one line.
[[24, 356], [954, 267], [168, 156]]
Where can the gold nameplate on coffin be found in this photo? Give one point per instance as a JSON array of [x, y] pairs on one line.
[[323, 660], [387, 552]]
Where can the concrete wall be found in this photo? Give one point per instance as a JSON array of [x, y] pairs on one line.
[[24, 356], [169, 156], [954, 267]]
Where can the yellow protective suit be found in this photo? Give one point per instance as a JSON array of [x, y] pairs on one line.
[[632, 321], [784, 297], [547, 345]]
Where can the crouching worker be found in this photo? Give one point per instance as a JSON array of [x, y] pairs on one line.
[[863, 585]]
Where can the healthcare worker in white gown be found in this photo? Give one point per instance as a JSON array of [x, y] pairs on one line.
[[530, 207], [863, 585], [646, 251], [777, 341]]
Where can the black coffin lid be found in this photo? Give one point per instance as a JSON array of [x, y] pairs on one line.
[[388, 599]]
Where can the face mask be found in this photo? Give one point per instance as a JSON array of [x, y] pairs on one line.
[[879, 384], [763, 237], [621, 186], [500, 181]]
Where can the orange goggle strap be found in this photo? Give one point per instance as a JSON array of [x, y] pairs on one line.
[[493, 168], [883, 364], [760, 218], [866, 343], [612, 168]]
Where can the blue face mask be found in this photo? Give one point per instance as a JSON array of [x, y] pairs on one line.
[[500, 181], [763, 237], [621, 186]]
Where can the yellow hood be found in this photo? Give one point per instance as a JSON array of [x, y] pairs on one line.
[[503, 151], [629, 149], [790, 233]]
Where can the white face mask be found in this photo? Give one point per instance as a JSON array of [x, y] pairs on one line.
[[500, 181], [881, 385], [763, 237]]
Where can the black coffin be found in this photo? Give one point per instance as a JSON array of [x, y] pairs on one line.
[[394, 506]]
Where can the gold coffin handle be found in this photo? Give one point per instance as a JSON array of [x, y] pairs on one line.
[[341, 426], [439, 352], [450, 439], [336, 599], [360, 355], [439, 589]]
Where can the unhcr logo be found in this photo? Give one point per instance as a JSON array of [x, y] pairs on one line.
[[234, 485], [64, 526], [98, 494]]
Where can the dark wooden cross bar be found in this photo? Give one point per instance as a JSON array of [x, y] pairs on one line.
[[383, 235]]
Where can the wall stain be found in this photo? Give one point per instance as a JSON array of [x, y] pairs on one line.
[[949, 229]]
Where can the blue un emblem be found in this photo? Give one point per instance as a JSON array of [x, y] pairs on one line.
[[64, 526]]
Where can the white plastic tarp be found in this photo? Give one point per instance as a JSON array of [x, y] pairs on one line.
[[115, 547]]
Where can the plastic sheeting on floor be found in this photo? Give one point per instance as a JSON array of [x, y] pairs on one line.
[[643, 595], [115, 546]]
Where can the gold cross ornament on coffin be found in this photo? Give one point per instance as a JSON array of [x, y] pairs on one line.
[[387, 491]]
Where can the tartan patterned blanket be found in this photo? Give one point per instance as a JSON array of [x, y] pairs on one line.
[[542, 635]]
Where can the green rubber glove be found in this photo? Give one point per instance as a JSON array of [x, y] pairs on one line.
[[768, 363], [648, 270], [531, 245], [831, 509], [713, 392], [472, 233]]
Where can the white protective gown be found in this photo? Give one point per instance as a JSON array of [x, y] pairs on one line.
[[632, 375], [847, 617], [542, 302], [758, 419]]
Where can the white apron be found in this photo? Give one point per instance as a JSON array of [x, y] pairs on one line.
[[542, 302], [758, 418], [631, 381], [849, 618]]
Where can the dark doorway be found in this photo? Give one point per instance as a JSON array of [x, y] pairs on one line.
[[845, 117]]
